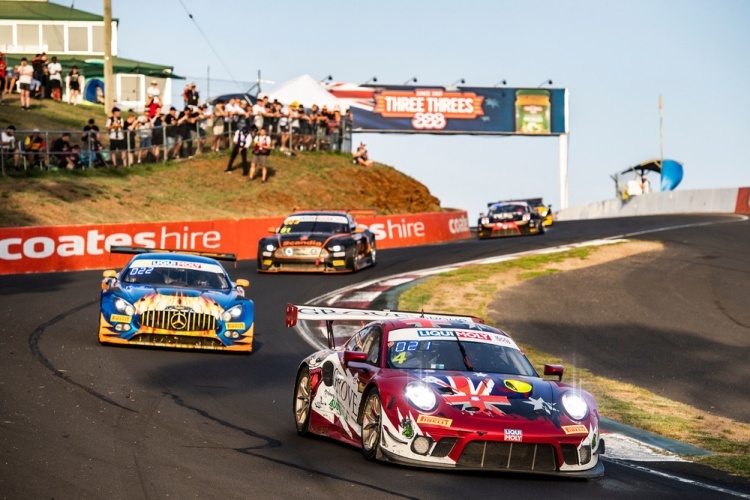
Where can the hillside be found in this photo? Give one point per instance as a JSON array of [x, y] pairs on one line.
[[195, 189]]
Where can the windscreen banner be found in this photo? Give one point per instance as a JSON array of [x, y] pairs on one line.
[[73, 248], [453, 110]]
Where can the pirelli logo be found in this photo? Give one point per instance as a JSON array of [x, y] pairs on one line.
[[439, 421], [575, 429], [235, 326], [119, 318]]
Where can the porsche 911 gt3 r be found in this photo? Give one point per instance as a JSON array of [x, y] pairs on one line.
[[169, 299], [317, 242], [513, 218], [444, 392]]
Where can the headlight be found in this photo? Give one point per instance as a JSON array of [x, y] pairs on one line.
[[232, 313], [420, 396], [270, 248], [485, 220], [575, 406], [124, 306], [526, 216], [336, 248]]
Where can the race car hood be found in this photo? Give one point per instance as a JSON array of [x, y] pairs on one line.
[[162, 297], [305, 239], [495, 395]]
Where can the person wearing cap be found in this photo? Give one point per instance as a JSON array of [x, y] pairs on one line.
[[192, 97], [34, 146], [3, 70], [152, 92], [54, 69], [116, 128]]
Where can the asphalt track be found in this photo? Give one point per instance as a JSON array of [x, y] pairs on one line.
[[78, 420]]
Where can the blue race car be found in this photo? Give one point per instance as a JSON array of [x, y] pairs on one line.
[[169, 298]]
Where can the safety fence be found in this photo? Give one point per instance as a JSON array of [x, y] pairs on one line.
[[23, 150]]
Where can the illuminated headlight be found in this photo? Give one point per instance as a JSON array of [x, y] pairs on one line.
[[232, 313], [485, 220], [420, 396], [122, 327], [575, 406], [526, 216], [336, 248], [270, 248], [231, 334], [124, 306]]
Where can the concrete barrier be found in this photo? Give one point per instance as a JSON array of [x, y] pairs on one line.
[[726, 200]]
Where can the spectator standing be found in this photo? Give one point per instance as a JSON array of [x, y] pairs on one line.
[[204, 121], [25, 79], [242, 141], [259, 112], [173, 133], [192, 97], [116, 128], [36, 80], [145, 129], [74, 85], [54, 69], [305, 128], [219, 114], [153, 93], [261, 150], [157, 135], [131, 129], [3, 76], [9, 146]]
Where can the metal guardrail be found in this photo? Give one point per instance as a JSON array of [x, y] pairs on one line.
[[91, 149]]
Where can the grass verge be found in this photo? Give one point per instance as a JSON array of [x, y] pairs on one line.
[[470, 290]]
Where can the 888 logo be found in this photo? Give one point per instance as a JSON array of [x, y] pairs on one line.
[[435, 121]]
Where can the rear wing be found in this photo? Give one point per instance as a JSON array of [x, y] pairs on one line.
[[140, 250], [295, 313]]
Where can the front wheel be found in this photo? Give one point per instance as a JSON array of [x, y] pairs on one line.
[[372, 425], [302, 402]]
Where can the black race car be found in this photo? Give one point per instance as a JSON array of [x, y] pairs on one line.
[[513, 218], [317, 242]]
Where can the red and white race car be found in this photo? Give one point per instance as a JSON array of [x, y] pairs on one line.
[[442, 391]]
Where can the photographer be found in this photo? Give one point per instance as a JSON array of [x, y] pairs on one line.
[[360, 157]]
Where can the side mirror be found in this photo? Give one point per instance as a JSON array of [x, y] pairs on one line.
[[109, 273], [481, 214], [552, 370], [242, 282], [359, 357], [359, 229], [110, 278], [272, 230]]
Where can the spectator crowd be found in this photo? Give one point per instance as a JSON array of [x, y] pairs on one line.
[[159, 133]]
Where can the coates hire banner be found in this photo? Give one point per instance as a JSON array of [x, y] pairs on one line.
[[71, 248], [453, 110]]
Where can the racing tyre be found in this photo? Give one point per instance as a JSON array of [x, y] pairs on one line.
[[541, 229], [302, 401], [373, 254], [372, 424], [351, 260]]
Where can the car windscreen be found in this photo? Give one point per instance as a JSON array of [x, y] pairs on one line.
[[329, 224], [507, 209], [445, 354], [176, 273]]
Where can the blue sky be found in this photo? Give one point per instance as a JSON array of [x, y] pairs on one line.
[[616, 57]]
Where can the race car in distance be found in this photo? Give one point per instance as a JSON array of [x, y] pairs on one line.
[[317, 242], [166, 298], [509, 218], [536, 204], [442, 391]]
